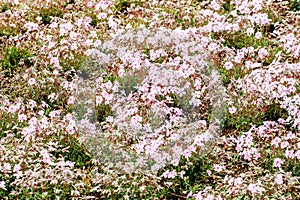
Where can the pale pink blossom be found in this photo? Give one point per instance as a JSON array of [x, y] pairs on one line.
[[254, 188], [31, 81], [289, 154], [279, 179], [232, 110], [276, 141], [218, 168], [258, 35], [89, 4], [277, 162], [228, 65], [2, 185]]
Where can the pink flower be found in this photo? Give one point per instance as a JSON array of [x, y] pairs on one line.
[[71, 100], [238, 181], [218, 168], [277, 162], [168, 174], [31, 81], [70, 129], [214, 5], [6, 167], [289, 154], [187, 153], [228, 65], [258, 35], [247, 155], [276, 141], [89, 4], [262, 53], [250, 31], [22, 117], [2, 185], [110, 119], [31, 26], [17, 168], [136, 119], [102, 4], [102, 16], [99, 100], [253, 188], [208, 172], [232, 110], [284, 144], [297, 154], [278, 179]]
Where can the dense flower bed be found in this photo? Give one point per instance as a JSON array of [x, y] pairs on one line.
[[149, 99]]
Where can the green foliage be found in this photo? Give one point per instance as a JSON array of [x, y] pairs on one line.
[[241, 123], [239, 40], [274, 112], [71, 2], [195, 177], [123, 5], [4, 7], [103, 111], [7, 122], [227, 6], [94, 21], [175, 101], [77, 153], [47, 13], [12, 58], [295, 5], [68, 64]]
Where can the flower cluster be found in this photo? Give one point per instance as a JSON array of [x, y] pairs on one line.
[[198, 99]]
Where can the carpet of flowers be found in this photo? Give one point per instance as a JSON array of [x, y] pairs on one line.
[[253, 44]]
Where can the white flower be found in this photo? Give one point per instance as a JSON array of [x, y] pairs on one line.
[[232, 110], [228, 65], [278, 179], [2, 185], [31, 81]]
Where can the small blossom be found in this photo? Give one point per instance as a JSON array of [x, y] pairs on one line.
[[289, 154], [2, 185], [232, 110], [253, 188], [276, 141], [31, 81], [99, 100], [284, 144], [89, 4], [278, 179], [22, 117], [238, 181], [218, 168], [71, 100], [228, 65], [250, 31], [110, 119], [277, 162], [258, 35]]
